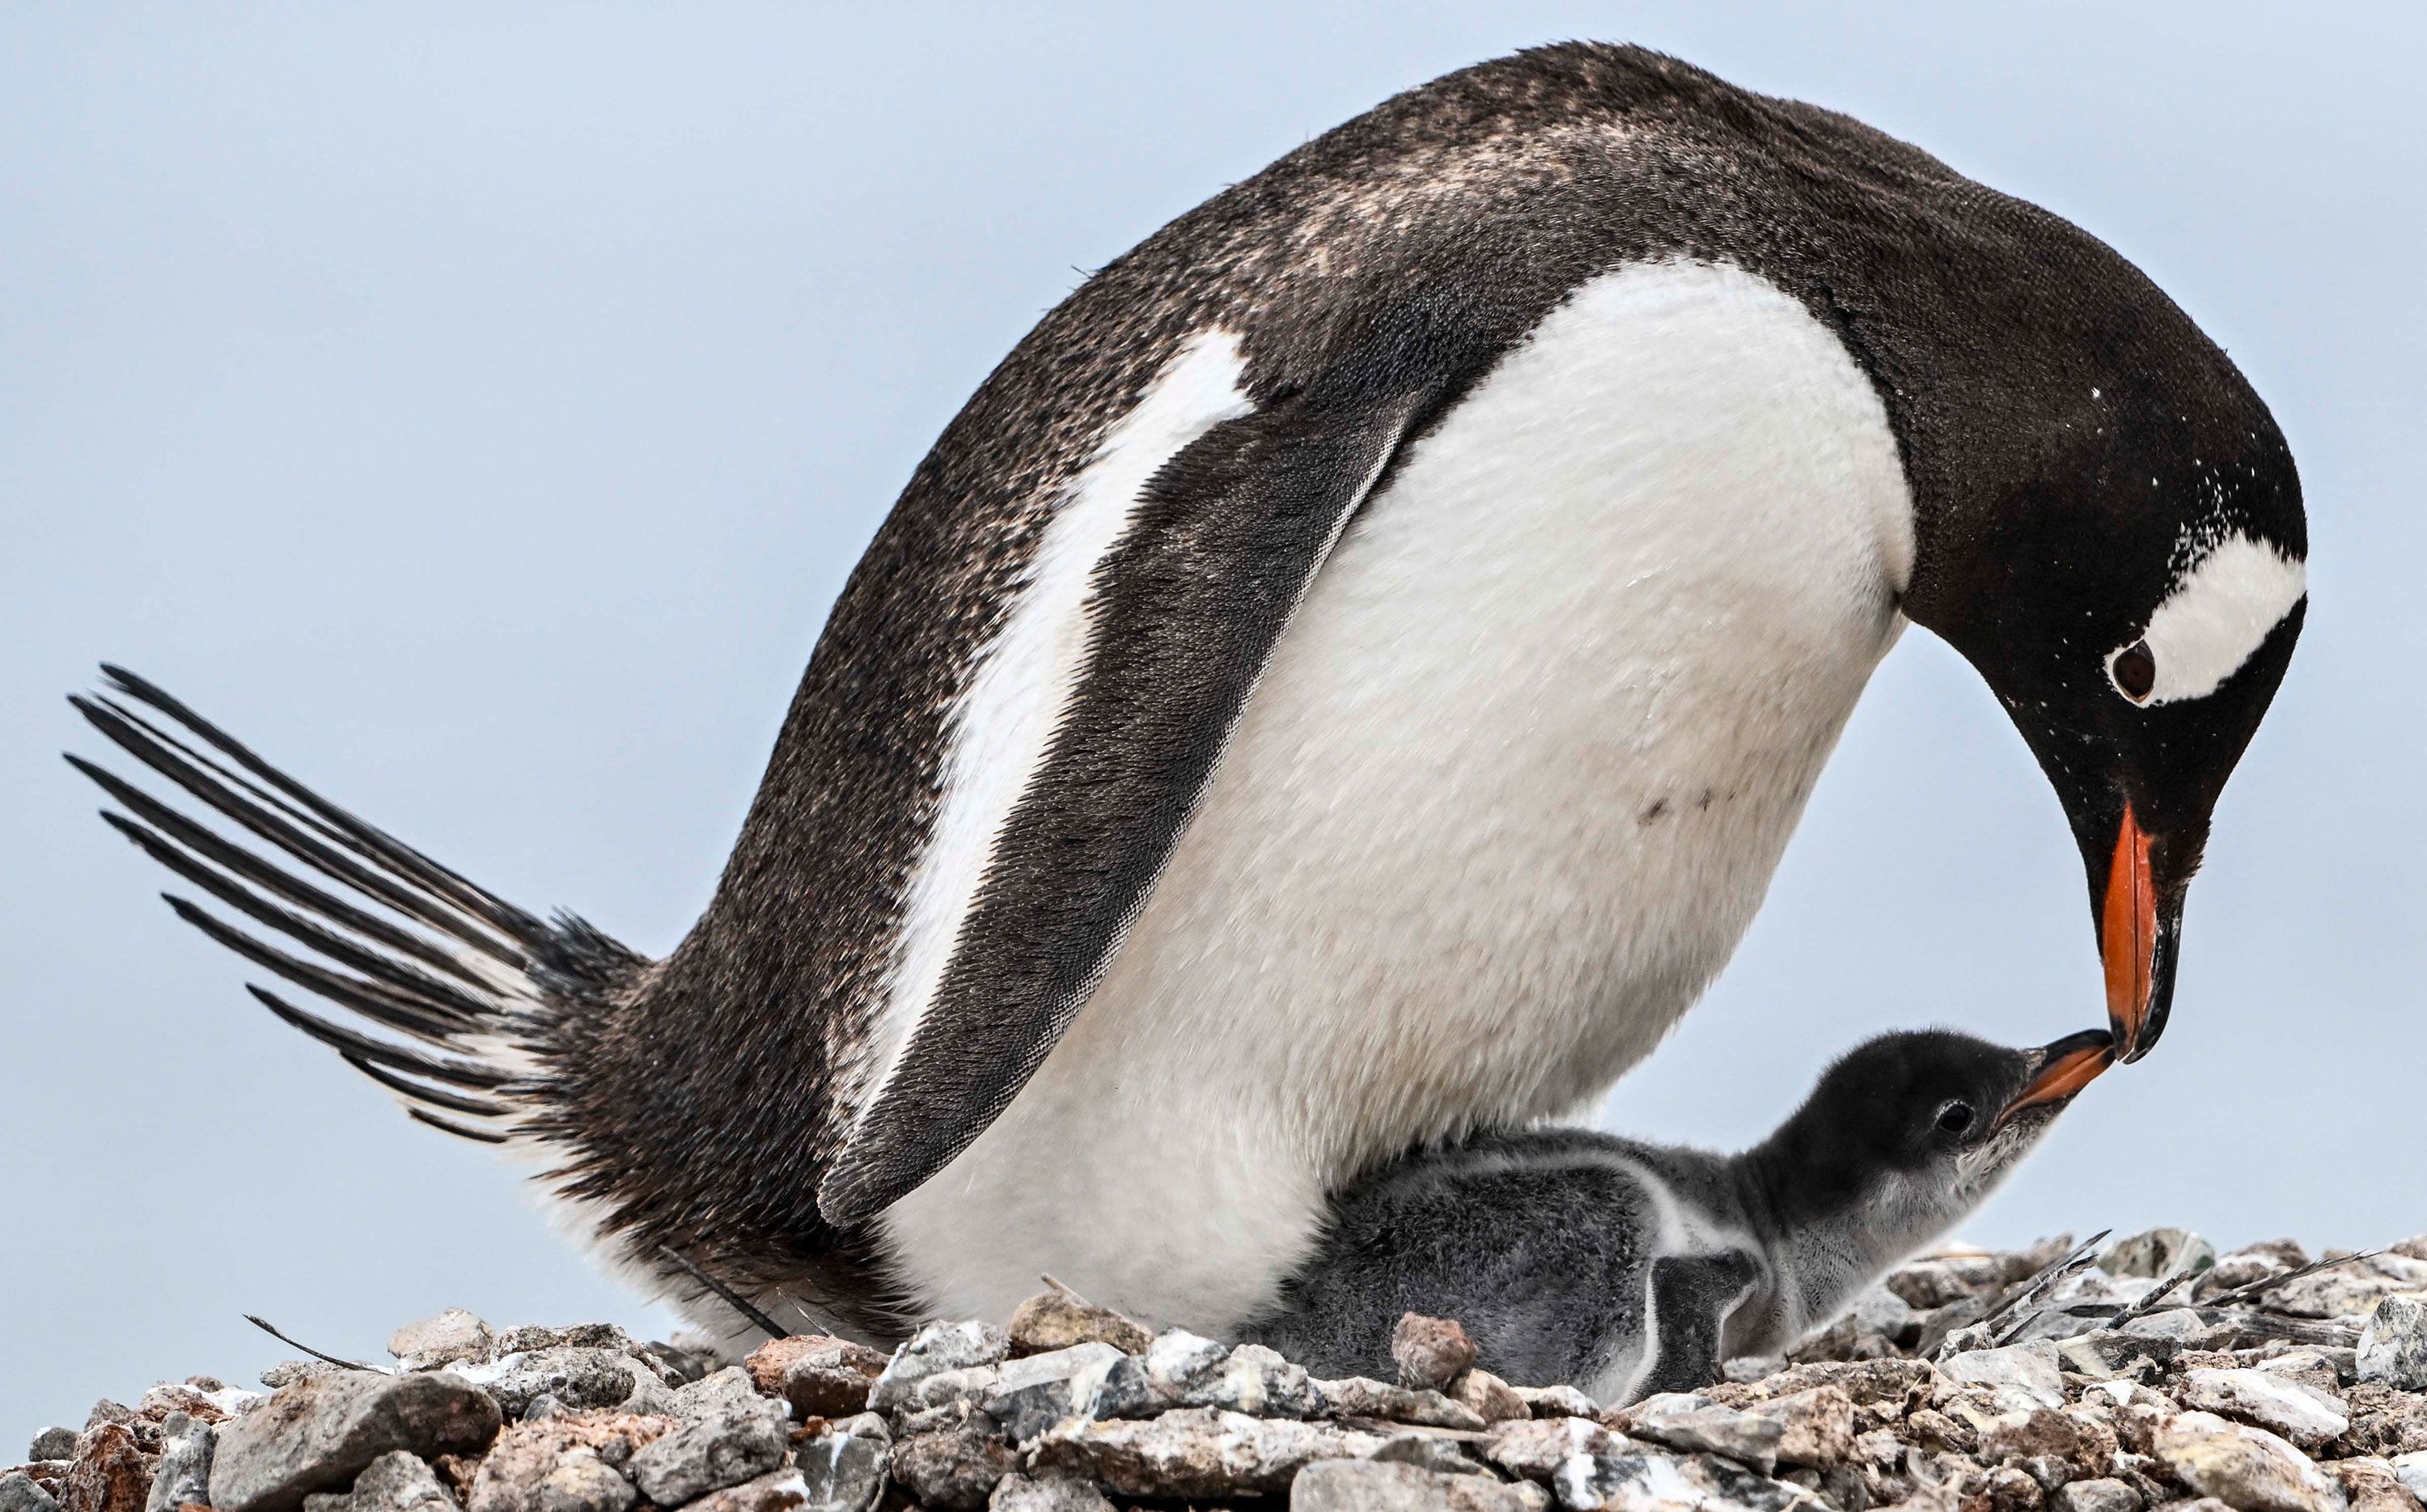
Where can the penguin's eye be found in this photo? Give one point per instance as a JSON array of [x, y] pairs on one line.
[[1955, 1117], [2134, 670]]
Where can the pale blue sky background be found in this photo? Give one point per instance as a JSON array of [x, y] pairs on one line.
[[477, 407]]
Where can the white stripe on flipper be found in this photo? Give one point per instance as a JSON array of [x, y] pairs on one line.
[[1025, 680], [2217, 615]]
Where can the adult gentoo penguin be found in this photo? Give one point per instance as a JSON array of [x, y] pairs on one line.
[[1344, 680]]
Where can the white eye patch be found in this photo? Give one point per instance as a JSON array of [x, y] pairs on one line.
[[2216, 616]]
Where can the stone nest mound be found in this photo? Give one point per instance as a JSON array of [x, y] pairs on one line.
[[2148, 1373]]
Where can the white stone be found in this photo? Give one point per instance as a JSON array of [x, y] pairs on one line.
[[2302, 1413]]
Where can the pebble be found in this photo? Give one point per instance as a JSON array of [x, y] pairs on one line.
[[964, 1351], [2157, 1254], [2393, 1347], [1429, 1352], [516, 1474], [53, 1444], [778, 1491], [1360, 1396], [1487, 1396], [1652, 1482], [184, 1471], [2025, 1374], [2249, 1470], [1033, 1392], [2370, 1485], [2303, 1414], [1054, 1493], [1536, 1448], [581, 1376], [1057, 1320], [846, 1468], [956, 1469], [1371, 1485], [1682, 1420], [454, 1335], [317, 1434], [2104, 1494], [1560, 1400], [19, 1492], [821, 1377], [396, 1481], [712, 1453], [1196, 1452]]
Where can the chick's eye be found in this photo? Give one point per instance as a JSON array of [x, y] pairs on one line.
[[1955, 1117], [2135, 671]]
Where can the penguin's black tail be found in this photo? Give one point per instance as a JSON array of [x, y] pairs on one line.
[[459, 995]]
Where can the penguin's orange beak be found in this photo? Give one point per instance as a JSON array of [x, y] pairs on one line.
[[2066, 1067], [2127, 942]]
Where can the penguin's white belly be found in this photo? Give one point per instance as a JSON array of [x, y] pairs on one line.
[[1506, 796]]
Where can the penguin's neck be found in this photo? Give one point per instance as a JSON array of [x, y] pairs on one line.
[[1831, 1227]]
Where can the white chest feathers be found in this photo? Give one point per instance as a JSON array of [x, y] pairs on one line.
[[1509, 792]]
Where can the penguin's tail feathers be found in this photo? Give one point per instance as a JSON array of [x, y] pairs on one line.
[[456, 997]]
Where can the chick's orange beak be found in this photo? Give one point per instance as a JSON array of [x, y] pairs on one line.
[[2127, 939], [2065, 1068]]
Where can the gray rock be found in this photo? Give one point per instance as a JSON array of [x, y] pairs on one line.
[[1054, 1493], [1429, 1352], [2393, 1347], [1360, 1396], [937, 1349], [1256, 1381], [2303, 1414], [2321, 1365], [1380, 1485], [778, 1491], [956, 1469], [1033, 1392], [582, 1482], [582, 1377], [2157, 1254], [2247, 1469], [286, 1373], [395, 1482], [1939, 1280], [1537, 1448], [1683, 1420], [2350, 1290], [711, 1454], [316, 1435], [729, 1389], [1196, 1452], [1652, 1482], [2111, 1355], [530, 1337], [1487, 1396], [2104, 1494], [53, 1444], [184, 1473], [19, 1493], [454, 1335], [1429, 1450], [1562, 1401], [2411, 1471], [2021, 1376], [845, 1468]]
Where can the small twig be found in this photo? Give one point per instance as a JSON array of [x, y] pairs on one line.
[[1066, 1290], [2040, 1284], [732, 1298], [350, 1364], [2166, 1287]]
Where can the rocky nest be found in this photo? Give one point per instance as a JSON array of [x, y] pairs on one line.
[[2146, 1374]]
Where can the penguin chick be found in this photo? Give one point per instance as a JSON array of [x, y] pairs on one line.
[[1626, 1268]]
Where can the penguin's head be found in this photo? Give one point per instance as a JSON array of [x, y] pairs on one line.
[[2130, 577], [1915, 1128]]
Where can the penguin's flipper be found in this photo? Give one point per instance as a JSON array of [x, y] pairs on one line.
[[1183, 612], [1691, 1298]]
